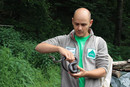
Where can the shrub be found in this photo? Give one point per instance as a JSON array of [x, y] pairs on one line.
[[17, 72], [8, 36], [25, 48], [125, 52], [55, 77], [114, 51]]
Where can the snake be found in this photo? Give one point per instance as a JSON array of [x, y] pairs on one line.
[[72, 67]]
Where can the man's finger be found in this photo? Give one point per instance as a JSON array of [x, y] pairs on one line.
[[80, 68]]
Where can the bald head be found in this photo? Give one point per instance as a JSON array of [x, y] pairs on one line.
[[82, 22], [82, 13]]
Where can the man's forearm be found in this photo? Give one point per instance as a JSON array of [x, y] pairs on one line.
[[46, 48], [96, 73]]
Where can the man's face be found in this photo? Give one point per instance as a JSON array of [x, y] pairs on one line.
[[81, 26]]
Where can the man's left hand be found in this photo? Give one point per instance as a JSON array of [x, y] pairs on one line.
[[81, 73]]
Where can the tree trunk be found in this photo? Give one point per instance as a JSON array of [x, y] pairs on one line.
[[118, 29]]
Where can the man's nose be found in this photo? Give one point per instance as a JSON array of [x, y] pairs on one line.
[[79, 27]]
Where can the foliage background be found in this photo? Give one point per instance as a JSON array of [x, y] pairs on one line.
[[29, 22]]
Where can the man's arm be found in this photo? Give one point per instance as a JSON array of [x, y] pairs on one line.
[[48, 48], [96, 73]]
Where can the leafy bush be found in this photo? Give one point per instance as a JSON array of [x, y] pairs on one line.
[[55, 78], [125, 52], [16, 72], [114, 51], [18, 45], [8, 36], [25, 48]]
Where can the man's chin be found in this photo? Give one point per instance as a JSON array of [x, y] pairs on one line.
[[79, 35]]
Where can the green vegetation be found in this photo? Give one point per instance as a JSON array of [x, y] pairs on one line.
[[33, 21], [22, 66]]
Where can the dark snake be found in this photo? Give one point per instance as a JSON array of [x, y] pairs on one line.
[[72, 67]]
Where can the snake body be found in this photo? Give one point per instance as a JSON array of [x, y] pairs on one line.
[[72, 67], [54, 60]]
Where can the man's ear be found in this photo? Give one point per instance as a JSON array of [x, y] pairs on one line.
[[91, 22]]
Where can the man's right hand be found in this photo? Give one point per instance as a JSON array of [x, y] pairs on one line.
[[69, 55]]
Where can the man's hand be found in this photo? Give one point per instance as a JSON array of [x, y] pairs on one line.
[[69, 55], [96, 73], [79, 74]]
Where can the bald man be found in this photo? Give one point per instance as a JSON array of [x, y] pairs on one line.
[[80, 43]]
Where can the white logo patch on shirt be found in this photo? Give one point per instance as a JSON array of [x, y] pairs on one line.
[[71, 49], [91, 53]]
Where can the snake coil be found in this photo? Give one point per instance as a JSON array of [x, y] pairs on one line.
[[72, 67]]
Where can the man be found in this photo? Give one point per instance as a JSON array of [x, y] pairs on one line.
[[80, 43]]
